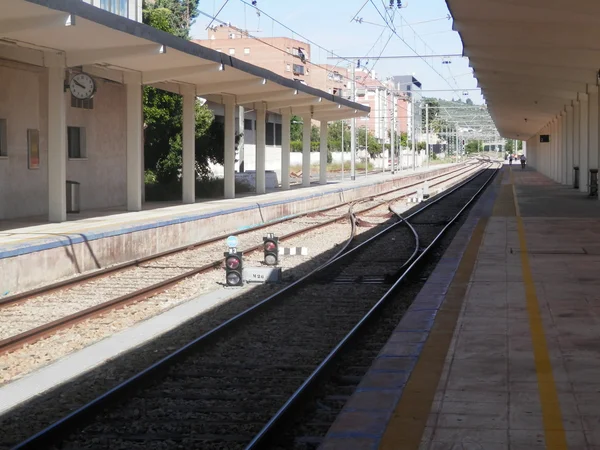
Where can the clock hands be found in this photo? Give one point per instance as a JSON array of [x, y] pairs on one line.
[[79, 84]]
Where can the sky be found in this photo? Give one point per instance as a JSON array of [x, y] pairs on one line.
[[329, 24]]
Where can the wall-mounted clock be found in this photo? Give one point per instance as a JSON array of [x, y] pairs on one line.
[[82, 86]]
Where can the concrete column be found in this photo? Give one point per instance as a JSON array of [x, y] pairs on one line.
[[564, 140], [242, 131], [593, 127], [576, 132], [286, 118], [570, 143], [323, 154], [57, 145], [583, 142], [133, 87], [229, 147], [261, 147], [189, 146], [306, 150], [556, 172]]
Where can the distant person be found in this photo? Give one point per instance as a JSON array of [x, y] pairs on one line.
[[510, 159], [523, 160]]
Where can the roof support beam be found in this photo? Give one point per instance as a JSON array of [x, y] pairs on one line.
[[12, 26], [22, 54], [488, 77], [532, 94], [220, 88], [296, 102], [556, 73], [157, 76], [577, 58], [79, 58], [274, 95]]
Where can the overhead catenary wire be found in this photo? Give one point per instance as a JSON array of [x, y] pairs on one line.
[[269, 44]]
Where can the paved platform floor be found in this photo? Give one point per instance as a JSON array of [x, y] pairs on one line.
[[21, 232], [509, 357]]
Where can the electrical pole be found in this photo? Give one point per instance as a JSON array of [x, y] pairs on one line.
[[427, 130], [353, 129], [457, 144], [366, 150], [343, 130], [412, 115], [393, 132]]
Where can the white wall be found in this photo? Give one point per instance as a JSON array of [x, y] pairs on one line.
[[273, 159], [22, 191], [23, 103]]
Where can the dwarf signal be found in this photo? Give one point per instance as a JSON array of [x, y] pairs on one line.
[[233, 263], [271, 249]]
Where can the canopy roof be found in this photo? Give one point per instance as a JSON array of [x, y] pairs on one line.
[[532, 58], [44, 32]]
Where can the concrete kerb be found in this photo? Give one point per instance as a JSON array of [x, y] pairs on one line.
[[77, 253]]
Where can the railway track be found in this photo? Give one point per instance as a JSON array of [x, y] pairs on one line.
[[234, 387], [30, 316]]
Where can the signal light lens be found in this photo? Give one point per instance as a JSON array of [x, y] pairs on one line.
[[270, 246], [232, 263], [233, 279], [271, 260]]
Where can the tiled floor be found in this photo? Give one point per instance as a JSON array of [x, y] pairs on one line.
[[494, 394]]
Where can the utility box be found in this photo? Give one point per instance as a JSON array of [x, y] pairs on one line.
[[73, 194], [262, 274]]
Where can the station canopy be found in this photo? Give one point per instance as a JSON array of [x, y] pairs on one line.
[[92, 40], [531, 57]]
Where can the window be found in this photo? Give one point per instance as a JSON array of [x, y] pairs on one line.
[[288, 68], [247, 51], [231, 35], [248, 124], [87, 103], [270, 134], [298, 69], [76, 142], [277, 134], [3, 139], [232, 51], [115, 6], [288, 50]]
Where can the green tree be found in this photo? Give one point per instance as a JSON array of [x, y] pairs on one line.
[[334, 137], [296, 128], [374, 147], [469, 101], [179, 20], [472, 147], [163, 110], [509, 146], [433, 112]]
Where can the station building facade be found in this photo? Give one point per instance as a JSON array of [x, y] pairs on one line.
[[49, 136]]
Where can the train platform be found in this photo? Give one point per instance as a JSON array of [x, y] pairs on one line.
[[97, 239], [501, 348]]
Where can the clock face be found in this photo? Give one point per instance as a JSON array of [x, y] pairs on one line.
[[82, 86]]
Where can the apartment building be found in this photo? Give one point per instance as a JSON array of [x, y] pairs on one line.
[[287, 57], [284, 56], [382, 96], [291, 58]]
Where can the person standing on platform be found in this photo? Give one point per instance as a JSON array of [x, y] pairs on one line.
[[510, 158], [523, 160]]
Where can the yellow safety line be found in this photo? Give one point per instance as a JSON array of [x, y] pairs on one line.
[[409, 419], [551, 413]]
